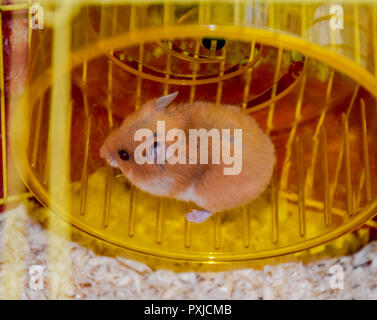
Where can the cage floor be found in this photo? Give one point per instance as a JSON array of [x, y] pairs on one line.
[[97, 273]]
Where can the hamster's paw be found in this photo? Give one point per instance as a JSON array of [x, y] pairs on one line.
[[197, 216]]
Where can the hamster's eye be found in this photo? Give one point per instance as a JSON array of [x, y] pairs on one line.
[[123, 154]]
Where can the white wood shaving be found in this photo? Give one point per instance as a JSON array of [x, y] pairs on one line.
[[104, 277]]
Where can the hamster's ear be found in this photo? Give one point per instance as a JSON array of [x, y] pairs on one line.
[[163, 102]]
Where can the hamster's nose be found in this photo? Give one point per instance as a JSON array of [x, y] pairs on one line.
[[103, 152], [108, 157]]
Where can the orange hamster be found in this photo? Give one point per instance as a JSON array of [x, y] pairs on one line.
[[185, 167]]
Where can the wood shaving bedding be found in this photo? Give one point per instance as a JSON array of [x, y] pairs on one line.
[[98, 276]]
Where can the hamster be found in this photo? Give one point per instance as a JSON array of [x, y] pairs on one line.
[[191, 179]]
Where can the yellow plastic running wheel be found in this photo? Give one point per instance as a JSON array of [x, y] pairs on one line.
[[306, 72]]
